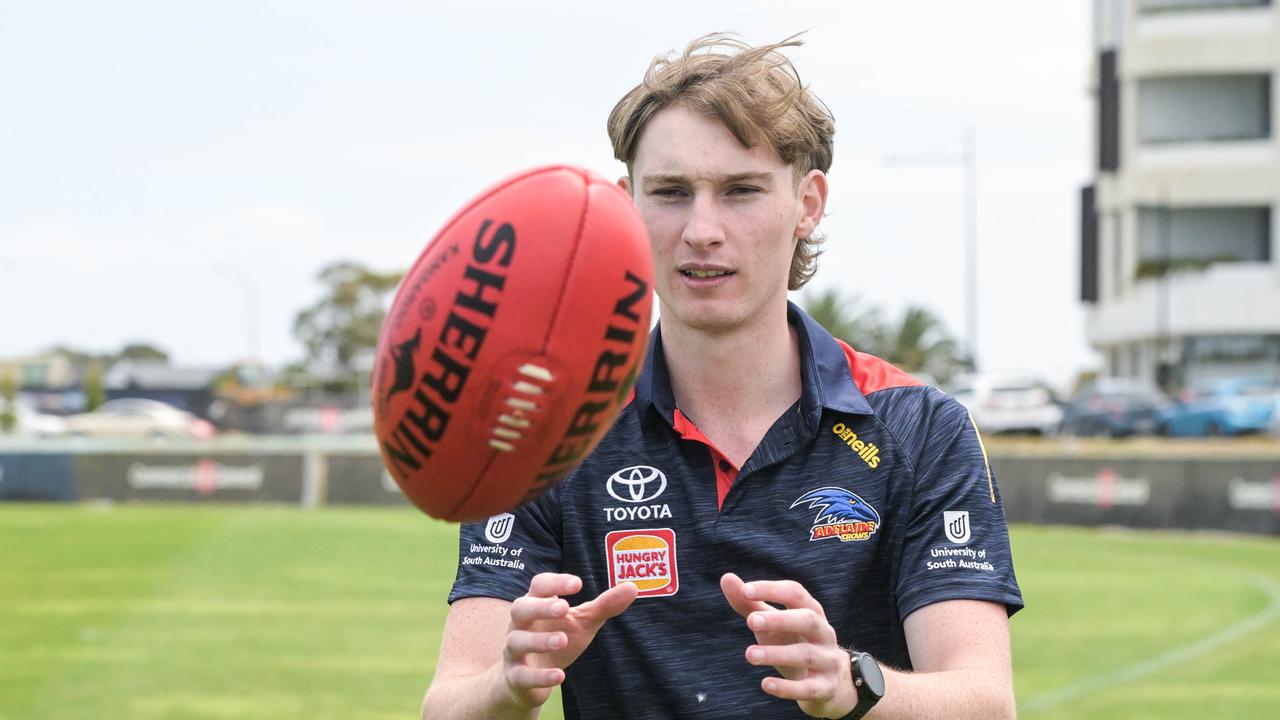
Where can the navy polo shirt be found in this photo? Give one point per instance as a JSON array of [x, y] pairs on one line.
[[872, 491]]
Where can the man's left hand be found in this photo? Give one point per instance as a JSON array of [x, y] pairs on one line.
[[798, 641]]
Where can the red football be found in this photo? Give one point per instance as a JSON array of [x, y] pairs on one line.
[[513, 342]]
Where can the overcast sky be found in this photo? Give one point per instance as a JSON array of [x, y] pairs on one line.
[[168, 167]]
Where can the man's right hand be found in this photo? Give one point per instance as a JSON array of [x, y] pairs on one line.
[[546, 635]]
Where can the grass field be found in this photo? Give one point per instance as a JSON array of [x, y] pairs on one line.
[[145, 612]]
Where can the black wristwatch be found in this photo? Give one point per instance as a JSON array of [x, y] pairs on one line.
[[868, 681]]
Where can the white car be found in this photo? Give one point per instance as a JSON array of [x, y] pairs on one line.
[[137, 417], [1008, 403], [30, 421]]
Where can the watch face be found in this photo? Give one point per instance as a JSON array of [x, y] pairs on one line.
[[872, 678]]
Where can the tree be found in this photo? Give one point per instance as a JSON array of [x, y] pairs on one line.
[[8, 402], [919, 342], [82, 358], [95, 391], [849, 319], [143, 352], [345, 322]]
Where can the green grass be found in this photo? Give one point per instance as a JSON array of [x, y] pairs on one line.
[[147, 612]]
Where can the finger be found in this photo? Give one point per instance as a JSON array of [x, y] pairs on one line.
[[523, 642], [819, 688], [528, 678], [788, 593], [551, 584], [609, 603], [527, 610], [732, 587], [803, 622], [800, 656]]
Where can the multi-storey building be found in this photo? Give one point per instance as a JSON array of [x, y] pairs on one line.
[[1180, 260]]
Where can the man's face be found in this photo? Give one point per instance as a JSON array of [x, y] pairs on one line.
[[722, 219]]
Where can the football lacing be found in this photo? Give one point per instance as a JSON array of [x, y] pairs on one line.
[[508, 431]]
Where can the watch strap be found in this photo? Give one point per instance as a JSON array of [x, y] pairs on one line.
[[866, 698]]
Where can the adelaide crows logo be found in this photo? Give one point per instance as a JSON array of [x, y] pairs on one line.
[[841, 514]]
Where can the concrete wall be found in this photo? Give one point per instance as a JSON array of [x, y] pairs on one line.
[[1147, 488]]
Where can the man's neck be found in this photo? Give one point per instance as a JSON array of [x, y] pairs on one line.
[[734, 385]]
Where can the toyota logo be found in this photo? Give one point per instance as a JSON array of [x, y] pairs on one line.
[[638, 483]]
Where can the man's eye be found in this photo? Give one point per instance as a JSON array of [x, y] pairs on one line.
[[743, 190], [669, 192]]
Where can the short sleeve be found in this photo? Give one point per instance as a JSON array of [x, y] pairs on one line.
[[957, 541], [498, 557]]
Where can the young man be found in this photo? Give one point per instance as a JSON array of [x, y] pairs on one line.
[[776, 526]]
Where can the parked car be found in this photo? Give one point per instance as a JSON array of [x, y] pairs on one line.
[[1116, 407], [1007, 403], [137, 417], [1221, 407], [30, 421]]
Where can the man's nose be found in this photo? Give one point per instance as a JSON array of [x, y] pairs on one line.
[[704, 226]]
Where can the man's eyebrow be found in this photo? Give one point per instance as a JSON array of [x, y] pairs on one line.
[[720, 180]]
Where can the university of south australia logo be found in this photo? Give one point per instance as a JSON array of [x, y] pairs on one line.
[[841, 514], [956, 524], [498, 529]]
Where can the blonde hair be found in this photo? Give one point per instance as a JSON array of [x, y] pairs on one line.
[[757, 94]]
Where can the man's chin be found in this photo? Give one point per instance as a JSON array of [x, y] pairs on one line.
[[709, 318]]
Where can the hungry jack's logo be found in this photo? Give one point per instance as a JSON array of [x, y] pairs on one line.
[[841, 514], [646, 558]]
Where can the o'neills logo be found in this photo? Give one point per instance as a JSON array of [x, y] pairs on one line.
[[438, 384], [869, 453], [646, 558]]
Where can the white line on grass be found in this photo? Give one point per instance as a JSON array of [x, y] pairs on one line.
[[1167, 659]]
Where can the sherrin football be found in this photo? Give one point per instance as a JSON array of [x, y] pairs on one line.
[[513, 342]]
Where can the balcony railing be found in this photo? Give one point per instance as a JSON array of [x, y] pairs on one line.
[[1150, 7]]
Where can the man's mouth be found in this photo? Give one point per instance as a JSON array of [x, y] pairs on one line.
[[706, 273]]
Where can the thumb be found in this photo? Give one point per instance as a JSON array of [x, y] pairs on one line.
[[609, 603]]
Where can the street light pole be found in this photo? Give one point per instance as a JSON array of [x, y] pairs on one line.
[[253, 319], [967, 160], [971, 244]]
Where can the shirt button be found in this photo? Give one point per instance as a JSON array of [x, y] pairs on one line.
[[725, 466]]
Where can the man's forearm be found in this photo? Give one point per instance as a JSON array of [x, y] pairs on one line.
[[473, 697], [953, 694]]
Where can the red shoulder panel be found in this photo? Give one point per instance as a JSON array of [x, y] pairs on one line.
[[870, 373]]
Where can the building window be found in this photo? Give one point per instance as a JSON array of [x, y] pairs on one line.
[[35, 375], [1234, 348], [1161, 6], [1201, 108], [1195, 237], [1117, 255], [1243, 356], [1089, 280]]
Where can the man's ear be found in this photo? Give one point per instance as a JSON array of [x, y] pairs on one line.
[[624, 182], [813, 202]]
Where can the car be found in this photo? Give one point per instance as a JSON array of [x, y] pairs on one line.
[[138, 417], [1115, 407], [29, 421], [1007, 403], [1221, 407]]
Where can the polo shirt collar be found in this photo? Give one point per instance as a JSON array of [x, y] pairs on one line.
[[825, 375]]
